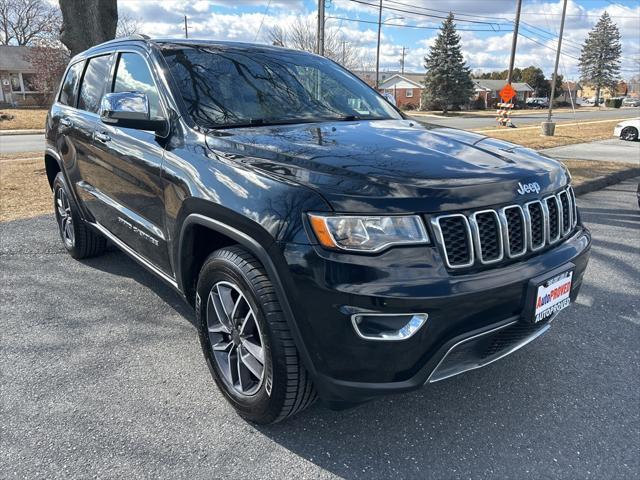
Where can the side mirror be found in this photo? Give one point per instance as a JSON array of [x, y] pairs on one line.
[[129, 110]]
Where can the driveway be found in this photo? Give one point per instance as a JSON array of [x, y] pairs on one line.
[[102, 376], [21, 143], [613, 150], [532, 117]]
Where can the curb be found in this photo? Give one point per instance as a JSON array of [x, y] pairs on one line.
[[605, 181], [21, 132]]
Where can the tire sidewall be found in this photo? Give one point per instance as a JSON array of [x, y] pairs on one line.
[[60, 183], [265, 405]]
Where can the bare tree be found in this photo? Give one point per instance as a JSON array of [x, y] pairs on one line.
[[301, 35], [128, 25], [24, 21], [87, 23], [49, 58]]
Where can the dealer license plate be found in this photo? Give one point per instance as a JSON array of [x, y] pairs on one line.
[[553, 296]]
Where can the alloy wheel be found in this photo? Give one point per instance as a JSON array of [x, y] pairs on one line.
[[65, 220], [629, 134], [236, 340]]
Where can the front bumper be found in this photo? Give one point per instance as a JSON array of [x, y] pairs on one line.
[[473, 318]]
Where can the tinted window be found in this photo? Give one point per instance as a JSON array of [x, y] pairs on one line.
[[93, 82], [68, 90], [133, 75], [235, 86]]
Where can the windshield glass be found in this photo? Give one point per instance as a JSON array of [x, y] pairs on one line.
[[233, 86]]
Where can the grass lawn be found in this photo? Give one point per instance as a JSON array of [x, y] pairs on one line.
[[24, 119], [566, 134], [24, 189]]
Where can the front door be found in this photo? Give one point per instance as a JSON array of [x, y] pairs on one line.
[[126, 174]]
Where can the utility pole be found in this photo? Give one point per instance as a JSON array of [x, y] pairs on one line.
[[186, 28], [320, 40], [378, 48], [402, 61], [549, 128], [344, 43], [514, 42]]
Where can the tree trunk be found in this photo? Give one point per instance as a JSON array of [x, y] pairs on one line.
[[86, 23], [597, 103]]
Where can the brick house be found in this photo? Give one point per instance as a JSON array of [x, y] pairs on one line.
[[405, 88], [489, 91]]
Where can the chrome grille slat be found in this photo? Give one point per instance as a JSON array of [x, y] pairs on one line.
[[490, 236]]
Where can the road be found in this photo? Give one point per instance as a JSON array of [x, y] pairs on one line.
[[532, 118], [21, 143], [102, 376], [613, 150]]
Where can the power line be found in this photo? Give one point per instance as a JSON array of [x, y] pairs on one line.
[[401, 25], [266, 10]]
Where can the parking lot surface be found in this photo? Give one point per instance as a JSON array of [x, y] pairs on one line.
[[102, 376]]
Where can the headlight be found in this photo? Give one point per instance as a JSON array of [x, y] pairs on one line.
[[367, 234]]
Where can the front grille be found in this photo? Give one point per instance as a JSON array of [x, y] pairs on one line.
[[489, 236], [553, 211], [455, 233]]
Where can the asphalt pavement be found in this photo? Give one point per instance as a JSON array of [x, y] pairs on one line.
[[102, 376], [21, 143], [612, 150], [532, 117]]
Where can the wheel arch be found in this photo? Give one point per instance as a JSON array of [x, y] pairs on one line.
[[52, 167], [218, 235]]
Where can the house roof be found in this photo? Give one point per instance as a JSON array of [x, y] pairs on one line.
[[402, 77], [15, 58], [498, 84]]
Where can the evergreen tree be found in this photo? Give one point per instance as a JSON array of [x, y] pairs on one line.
[[448, 79], [600, 57]]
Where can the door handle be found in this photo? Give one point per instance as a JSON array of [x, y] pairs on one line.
[[103, 137], [66, 122]]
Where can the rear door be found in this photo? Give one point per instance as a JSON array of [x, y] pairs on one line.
[[125, 174]]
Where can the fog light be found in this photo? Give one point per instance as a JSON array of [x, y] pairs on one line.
[[389, 327]]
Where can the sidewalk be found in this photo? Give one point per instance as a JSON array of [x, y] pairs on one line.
[[613, 150], [22, 132]]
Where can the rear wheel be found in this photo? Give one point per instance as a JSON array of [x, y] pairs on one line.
[[77, 237], [629, 133], [246, 340]]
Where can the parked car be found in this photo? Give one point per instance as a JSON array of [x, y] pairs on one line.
[[627, 130], [538, 103], [592, 101], [631, 102], [329, 246]]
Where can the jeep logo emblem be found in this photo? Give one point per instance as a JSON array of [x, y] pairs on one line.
[[528, 188]]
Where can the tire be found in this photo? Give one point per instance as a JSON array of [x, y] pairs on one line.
[[629, 133], [283, 387], [77, 237]]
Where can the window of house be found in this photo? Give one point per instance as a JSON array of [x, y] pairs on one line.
[[29, 81], [133, 75], [15, 82], [409, 92], [93, 83], [70, 84]]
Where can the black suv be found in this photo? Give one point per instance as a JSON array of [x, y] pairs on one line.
[[330, 246]]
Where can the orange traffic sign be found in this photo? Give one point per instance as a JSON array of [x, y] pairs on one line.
[[507, 93]]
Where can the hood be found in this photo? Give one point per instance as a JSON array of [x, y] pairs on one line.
[[392, 165]]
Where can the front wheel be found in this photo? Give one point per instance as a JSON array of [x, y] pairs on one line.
[[629, 133], [246, 340]]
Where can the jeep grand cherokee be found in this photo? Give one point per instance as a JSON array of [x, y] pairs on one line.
[[330, 246]]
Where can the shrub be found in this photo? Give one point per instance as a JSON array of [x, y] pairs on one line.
[[408, 106], [478, 104], [613, 102]]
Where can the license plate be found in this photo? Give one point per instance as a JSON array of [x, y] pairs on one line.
[[552, 296]]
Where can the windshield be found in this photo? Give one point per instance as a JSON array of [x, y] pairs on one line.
[[233, 86]]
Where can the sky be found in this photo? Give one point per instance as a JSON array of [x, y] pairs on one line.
[[485, 27]]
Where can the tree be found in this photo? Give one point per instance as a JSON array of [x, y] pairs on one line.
[[600, 56], [448, 79], [49, 59], [128, 25], [24, 21], [301, 35], [86, 23]]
